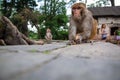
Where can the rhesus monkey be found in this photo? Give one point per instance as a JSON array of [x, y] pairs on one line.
[[48, 35], [82, 24]]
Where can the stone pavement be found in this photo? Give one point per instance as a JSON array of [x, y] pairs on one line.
[[58, 61]]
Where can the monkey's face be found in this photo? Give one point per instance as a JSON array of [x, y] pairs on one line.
[[76, 11]]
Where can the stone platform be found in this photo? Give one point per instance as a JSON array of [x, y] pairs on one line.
[[58, 61]]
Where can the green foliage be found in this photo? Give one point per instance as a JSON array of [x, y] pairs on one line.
[[63, 35], [33, 35], [47, 52], [61, 20], [43, 32], [53, 16], [59, 34], [15, 6], [53, 7], [42, 18], [20, 12], [55, 24]]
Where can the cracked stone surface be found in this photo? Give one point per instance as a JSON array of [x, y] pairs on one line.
[[64, 68], [97, 50], [58, 61]]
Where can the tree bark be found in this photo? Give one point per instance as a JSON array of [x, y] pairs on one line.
[[12, 36]]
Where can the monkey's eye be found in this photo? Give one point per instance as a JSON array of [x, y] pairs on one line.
[[76, 8]]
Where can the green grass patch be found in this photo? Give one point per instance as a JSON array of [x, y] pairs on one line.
[[33, 51], [47, 52]]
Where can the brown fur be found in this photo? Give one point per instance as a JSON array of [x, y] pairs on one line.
[[84, 25], [94, 30]]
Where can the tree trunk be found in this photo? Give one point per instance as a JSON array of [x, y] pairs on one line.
[[112, 2], [12, 36]]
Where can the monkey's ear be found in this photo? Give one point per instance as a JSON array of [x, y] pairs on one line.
[[82, 13], [72, 13]]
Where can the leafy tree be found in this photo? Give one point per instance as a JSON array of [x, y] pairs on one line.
[[54, 16], [10, 7], [21, 11], [21, 20]]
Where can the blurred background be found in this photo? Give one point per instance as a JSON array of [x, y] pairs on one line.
[[33, 17]]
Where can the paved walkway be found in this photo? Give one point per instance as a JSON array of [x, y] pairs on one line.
[[58, 61]]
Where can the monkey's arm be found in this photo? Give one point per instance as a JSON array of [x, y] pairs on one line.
[[72, 30]]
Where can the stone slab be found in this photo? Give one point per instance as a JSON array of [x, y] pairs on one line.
[[17, 63], [64, 68], [100, 61], [97, 50], [31, 48]]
